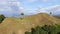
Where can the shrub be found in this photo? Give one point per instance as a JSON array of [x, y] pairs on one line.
[[49, 29], [43, 30], [2, 17], [27, 33]]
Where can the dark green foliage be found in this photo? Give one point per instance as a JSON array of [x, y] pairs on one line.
[[58, 28], [46, 29], [22, 13], [39, 30], [2, 17], [32, 30], [27, 33], [49, 28], [58, 32]]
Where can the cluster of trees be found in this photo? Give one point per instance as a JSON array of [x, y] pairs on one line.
[[46, 29], [2, 17]]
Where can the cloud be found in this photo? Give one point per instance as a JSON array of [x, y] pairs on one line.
[[51, 0], [51, 7], [9, 7], [30, 1], [54, 9], [15, 3]]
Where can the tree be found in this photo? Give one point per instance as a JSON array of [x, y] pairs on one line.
[[50, 13], [58, 28], [39, 30], [2, 17], [46, 29], [21, 12], [49, 28], [22, 15], [32, 31]]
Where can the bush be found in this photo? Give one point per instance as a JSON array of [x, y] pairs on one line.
[[2, 17], [49, 29], [27, 33], [44, 30], [37, 30]]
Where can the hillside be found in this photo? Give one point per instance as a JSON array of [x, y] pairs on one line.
[[16, 25]]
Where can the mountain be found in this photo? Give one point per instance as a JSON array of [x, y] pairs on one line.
[[16, 25]]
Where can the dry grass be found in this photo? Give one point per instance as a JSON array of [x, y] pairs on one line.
[[18, 26]]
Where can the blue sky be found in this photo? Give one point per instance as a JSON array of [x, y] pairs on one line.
[[32, 4], [14, 7]]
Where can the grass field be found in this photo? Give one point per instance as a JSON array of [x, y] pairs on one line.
[[15, 25]]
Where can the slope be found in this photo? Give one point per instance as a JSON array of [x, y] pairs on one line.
[[18, 26]]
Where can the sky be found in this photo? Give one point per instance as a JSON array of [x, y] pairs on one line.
[[29, 7]]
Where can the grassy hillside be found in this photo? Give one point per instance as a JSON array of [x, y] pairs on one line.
[[18, 26]]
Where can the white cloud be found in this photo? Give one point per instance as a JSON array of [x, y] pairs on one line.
[[9, 7], [51, 7], [14, 3], [21, 7], [54, 9], [30, 1], [51, 0]]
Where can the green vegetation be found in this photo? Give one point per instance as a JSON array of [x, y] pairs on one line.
[[46, 29], [2, 17], [27, 32], [22, 13]]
